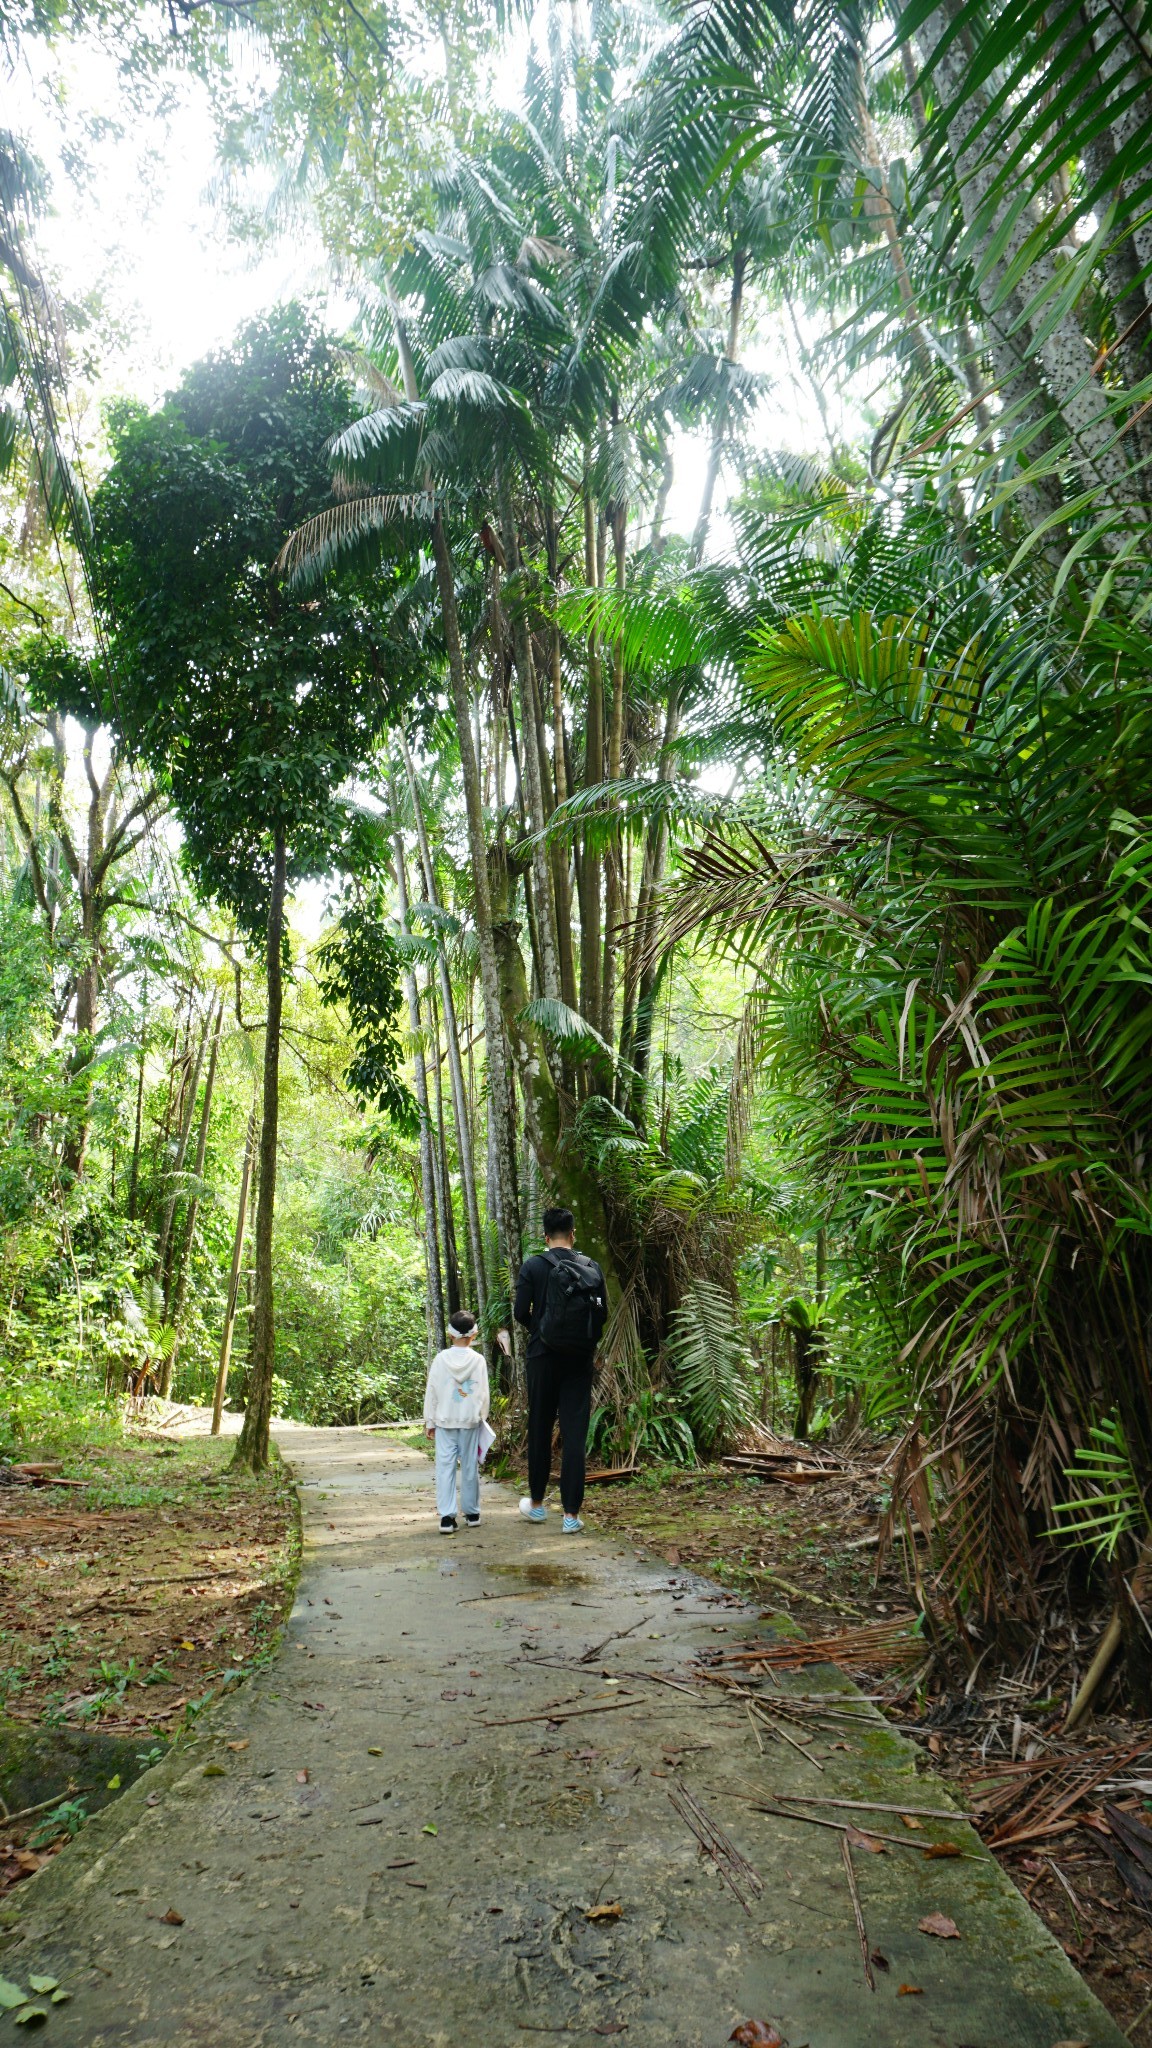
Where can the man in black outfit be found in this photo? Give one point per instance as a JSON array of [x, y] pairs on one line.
[[561, 1300]]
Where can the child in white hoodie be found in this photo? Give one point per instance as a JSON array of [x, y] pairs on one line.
[[455, 1404]]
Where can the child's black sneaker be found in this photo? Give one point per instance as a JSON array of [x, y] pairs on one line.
[[447, 1525], [473, 1521]]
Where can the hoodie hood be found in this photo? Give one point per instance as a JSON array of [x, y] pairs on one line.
[[460, 1361]]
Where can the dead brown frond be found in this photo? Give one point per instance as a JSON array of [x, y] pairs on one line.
[[316, 546]]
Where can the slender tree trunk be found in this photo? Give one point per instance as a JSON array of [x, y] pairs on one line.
[[174, 1315], [440, 1169], [134, 1174], [530, 761], [460, 1108], [252, 1448], [614, 865], [499, 1102], [560, 882], [234, 1274], [188, 1111], [590, 867], [641, 970], [433, 1278], [720, 423], [85, 863]]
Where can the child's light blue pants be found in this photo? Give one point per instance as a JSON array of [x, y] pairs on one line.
[[453, 1445]]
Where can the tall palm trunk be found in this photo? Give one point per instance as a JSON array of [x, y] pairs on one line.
[[560, 881], [184, 1133], [234, 1273], [175, 1312], [589, 871], [530, 750], [500, 1115], [430, 1204], [614, 863], [253, 1444], [440, 1169], [460, 1110], [641, 969], [720, 423], [134, 1172], [499, 1097]]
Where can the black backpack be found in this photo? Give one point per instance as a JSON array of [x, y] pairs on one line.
[[575, 1305]]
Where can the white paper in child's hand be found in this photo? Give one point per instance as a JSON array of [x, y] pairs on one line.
[[485, 1442]]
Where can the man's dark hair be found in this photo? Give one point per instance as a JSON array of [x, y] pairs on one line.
[[559, 1223], [462, 1321]]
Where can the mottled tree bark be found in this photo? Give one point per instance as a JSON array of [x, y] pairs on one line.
[[252, 1449]]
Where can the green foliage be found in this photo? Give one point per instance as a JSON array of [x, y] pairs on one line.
[[350, 1344], [950, 903], [255, 705], [709, 1366], [1106, 1504], [649, 1426], [360, 963], [66, 1819]]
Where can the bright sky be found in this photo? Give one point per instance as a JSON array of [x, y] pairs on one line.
[[142, 231], [144, 234]]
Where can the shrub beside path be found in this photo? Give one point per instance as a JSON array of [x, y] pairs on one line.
[[416, 1830]]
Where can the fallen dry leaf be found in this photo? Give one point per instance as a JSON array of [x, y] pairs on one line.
[[757, 2034], [939, 1849], [172, 1918], [869, 1842], [939, 1924], [301, 1777], [612, 1911], [237, 1745], [881, 1961], [909, 1991], [1069, 2044], [910, 1822]]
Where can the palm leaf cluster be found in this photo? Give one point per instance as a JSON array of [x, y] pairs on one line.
[[709, 1366], [948, 896]]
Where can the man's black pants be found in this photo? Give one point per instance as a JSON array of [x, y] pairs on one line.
[[559, 1390]]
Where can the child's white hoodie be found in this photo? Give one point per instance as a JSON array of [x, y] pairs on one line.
[[457, 1393]]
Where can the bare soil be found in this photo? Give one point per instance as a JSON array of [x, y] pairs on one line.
[[128, 1600]]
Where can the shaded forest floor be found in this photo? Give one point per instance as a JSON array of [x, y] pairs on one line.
[[129, 1599], [807, 1553]]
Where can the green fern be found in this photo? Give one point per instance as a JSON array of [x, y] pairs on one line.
[[710, 1376], [1108, 1507]]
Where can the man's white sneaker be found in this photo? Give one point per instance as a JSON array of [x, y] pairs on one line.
[[531, 1513]]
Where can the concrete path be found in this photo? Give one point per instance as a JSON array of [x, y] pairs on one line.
[[356, 1857]]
